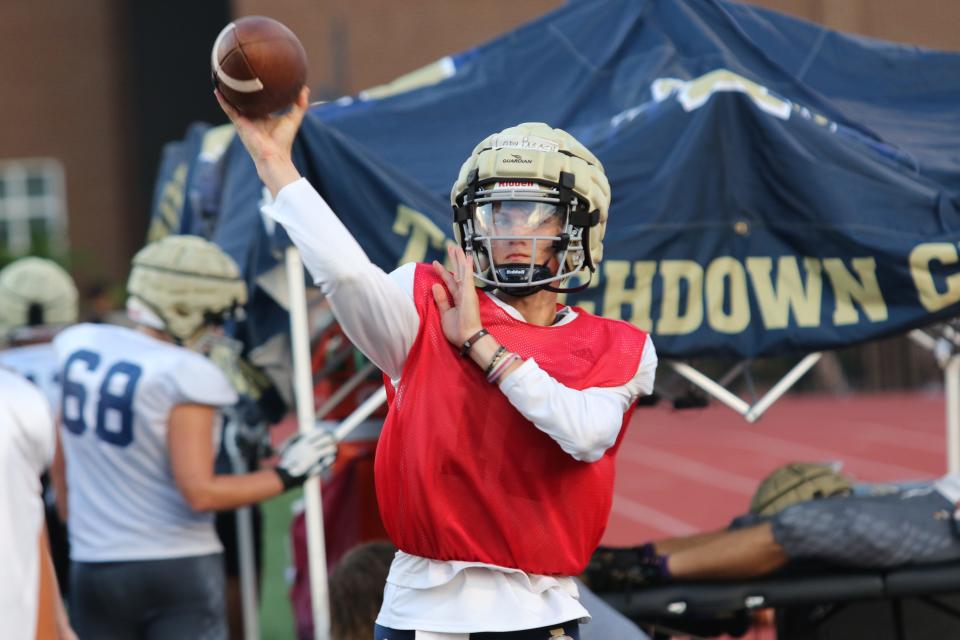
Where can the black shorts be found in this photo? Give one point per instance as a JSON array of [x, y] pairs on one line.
[[911, 527], [171, 599]]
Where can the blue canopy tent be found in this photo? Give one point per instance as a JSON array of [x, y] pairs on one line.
[[778, 188], [818, 162]]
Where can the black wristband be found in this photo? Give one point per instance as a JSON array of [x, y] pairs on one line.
[[289, 481], [472, 340]]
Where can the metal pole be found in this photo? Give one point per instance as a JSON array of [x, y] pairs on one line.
[[951, 389], [360, 414], [303, 392], [782, 386], [942, 350], [719, 392], [344, 390], [245, 543]]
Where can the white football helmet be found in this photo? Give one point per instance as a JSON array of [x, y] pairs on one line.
[[186, 285], [37, 296], [531, 183]]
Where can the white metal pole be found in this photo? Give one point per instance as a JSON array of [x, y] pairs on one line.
[[246, 554], [719, 392], [782, 386], [344, 390], [360, 414], [303, 392], [951, 389]]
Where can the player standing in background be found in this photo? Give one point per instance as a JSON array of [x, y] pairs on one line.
[[38, 298], [140, 418], [30, 605], [494, 470]]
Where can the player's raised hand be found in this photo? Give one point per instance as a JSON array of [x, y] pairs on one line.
[[269, 140], [461, 319]]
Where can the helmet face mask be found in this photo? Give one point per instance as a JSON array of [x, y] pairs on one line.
[[530, 207], [521, 237]]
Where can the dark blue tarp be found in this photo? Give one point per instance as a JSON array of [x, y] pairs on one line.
[[777, 187]]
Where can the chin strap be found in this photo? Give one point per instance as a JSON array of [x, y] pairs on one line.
[[576, 289]]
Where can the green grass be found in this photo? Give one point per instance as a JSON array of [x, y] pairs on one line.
[[276, 615]]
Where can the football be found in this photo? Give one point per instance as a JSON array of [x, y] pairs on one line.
[[259, 65]]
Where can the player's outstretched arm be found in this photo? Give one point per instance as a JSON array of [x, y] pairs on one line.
[[269, 140], [377, 316], [190, 441]]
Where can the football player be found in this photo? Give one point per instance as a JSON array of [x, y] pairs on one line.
[[494, 470], [30, 604], [37, 299], [140, 424]]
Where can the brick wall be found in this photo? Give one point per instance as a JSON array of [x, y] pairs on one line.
[[62, 97]]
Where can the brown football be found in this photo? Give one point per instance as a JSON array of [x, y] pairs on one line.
[[258, 65]]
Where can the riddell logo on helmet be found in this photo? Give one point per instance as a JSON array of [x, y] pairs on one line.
[[516, 158], [514, 184]]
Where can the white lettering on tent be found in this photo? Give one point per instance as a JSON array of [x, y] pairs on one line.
[[786, 290], [421, 233], [693, 94], [920, 258]]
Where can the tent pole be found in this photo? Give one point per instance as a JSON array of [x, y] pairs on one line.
[[360, 414], [942, 349], [783, 386], [246, 554], [717, 391], [303, 392], [951, 387], [344, 390]]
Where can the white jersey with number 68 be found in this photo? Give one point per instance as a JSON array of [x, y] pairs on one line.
[[118, 389]]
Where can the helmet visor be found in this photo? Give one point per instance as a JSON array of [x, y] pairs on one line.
[[503, 219]]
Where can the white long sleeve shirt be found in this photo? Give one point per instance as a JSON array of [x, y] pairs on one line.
[[377, 312]]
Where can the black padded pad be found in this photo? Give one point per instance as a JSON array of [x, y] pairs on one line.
[[924, 580], [711, 598]]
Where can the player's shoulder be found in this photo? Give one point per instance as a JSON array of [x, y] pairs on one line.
[[110, 339], [87, 334], [13, 384], [200, 381], [191, 363]]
